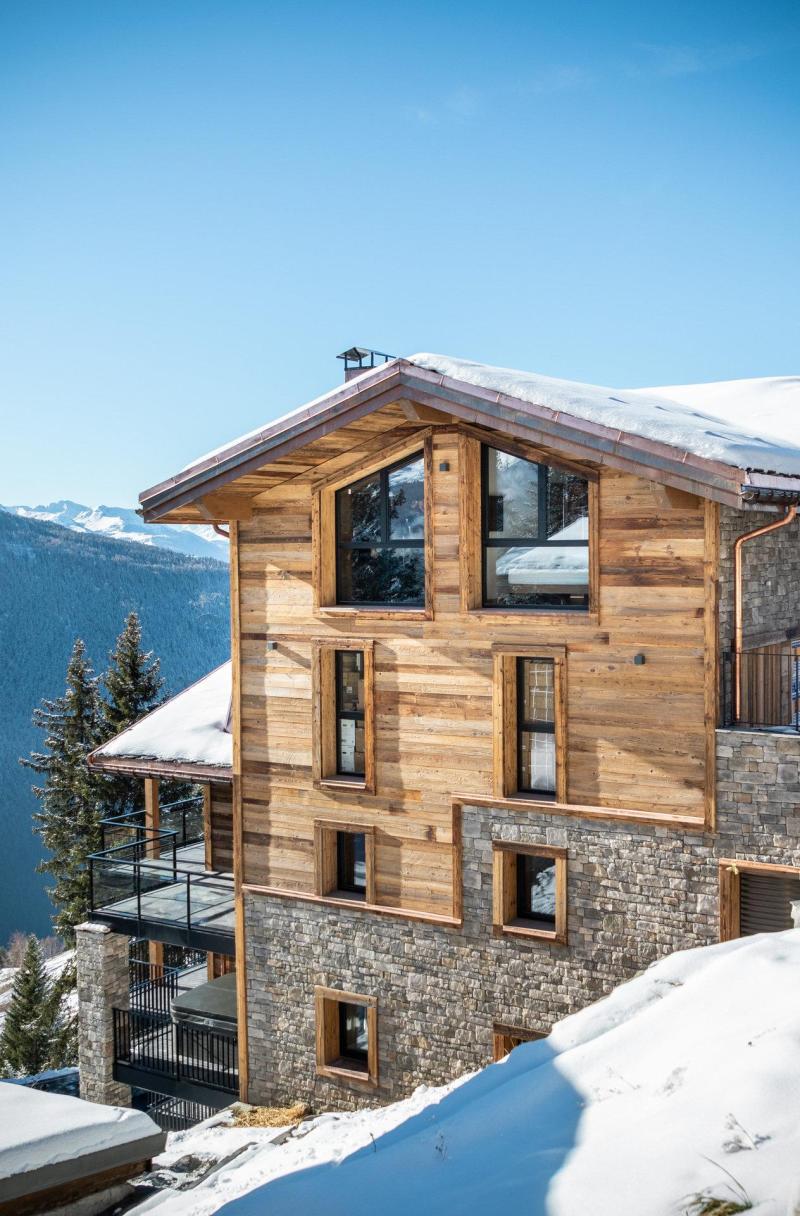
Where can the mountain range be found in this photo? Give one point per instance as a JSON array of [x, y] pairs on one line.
[[56, 584], [123, 523]]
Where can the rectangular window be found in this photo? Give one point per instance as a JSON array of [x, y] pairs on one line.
[[353, 1034], [756, 897], [351, 863], [536, 741], [380, 537], [343, 726], [350, 713], [344, 861], [530, 891], [346, 1036], [535, 534], [530, 724]]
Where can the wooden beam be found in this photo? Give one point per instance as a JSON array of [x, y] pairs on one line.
[[152, 825], [237, 816], [415, 412]]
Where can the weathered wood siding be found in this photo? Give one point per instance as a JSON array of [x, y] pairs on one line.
[[221, 828], [637, 735]]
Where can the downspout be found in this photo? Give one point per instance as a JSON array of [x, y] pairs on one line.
[[221, 531], [738, 623]]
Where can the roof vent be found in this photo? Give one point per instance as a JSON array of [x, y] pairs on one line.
[[360, 359]]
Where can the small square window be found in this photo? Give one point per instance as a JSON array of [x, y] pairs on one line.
[[344, 861], [346, 1035], [756, 897], [530, 891]]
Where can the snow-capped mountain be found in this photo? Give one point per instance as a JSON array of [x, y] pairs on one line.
[[122, 523]]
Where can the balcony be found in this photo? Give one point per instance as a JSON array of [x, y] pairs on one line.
[[766, 693], [178, 1040], [156, 885]]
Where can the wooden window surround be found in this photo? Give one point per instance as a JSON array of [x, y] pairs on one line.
[[507, 723], [324, 539], [506, 1038], [508, 860], [737, 903], [332, 1058], [327, 857], [325, 740], [470, 544]]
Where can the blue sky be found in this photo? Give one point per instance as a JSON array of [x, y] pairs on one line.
[[203, 202]]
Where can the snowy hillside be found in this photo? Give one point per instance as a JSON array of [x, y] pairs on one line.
[[122, 523], [679, 1088]]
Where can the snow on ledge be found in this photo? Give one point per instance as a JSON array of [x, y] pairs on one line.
[[190, 728]]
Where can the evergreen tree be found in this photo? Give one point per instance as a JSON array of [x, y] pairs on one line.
[[34, 1032], [69, 819], [133, 686], [132, 682]]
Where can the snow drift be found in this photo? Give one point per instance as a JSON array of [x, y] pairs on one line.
[[682, 1083]]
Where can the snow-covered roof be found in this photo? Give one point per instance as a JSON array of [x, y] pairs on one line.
[[48, 1140], [681, 1083], [673, 435], [192, 728], [643, 412], [770, 404]]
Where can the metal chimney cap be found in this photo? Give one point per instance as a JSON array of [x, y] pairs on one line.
[[355, 353]]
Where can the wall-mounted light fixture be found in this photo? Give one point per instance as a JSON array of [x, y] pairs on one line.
[[272, 645], [444, 466], [639, 660]]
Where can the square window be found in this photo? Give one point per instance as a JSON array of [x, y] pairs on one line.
[[344, 861], [346, 1036], [530, 891], [535, 534]]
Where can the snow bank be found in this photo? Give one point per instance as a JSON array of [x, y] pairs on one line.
[[643, 412], [680, 1079], [191, 727], [39, 1130]]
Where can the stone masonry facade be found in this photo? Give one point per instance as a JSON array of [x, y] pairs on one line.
[[635, 893], [771, 567], [103, 983]]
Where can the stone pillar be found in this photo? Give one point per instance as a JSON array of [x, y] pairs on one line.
[[103, 983]]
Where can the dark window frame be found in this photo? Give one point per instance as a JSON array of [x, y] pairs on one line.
[[541, 541], [349, 715], [385, 542], [350, 888], [533, 726]]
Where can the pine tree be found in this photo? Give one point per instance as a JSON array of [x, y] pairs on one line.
[[132, 682], [133, 686], [69, 819], [26, 1040]]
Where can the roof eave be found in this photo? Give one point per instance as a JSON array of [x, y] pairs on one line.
[[591, 440], [143, 766]]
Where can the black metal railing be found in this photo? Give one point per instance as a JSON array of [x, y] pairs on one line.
[[153, 986], [159, 898], [149, 1044], [182, 819], [768, 687], [179, 958], [174, 1114]]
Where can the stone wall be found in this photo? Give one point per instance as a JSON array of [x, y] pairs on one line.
[[771, 569], [634, 894], [102, 965]]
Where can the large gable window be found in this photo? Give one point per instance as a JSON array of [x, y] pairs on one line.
[[380, 537], [535, 534]]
